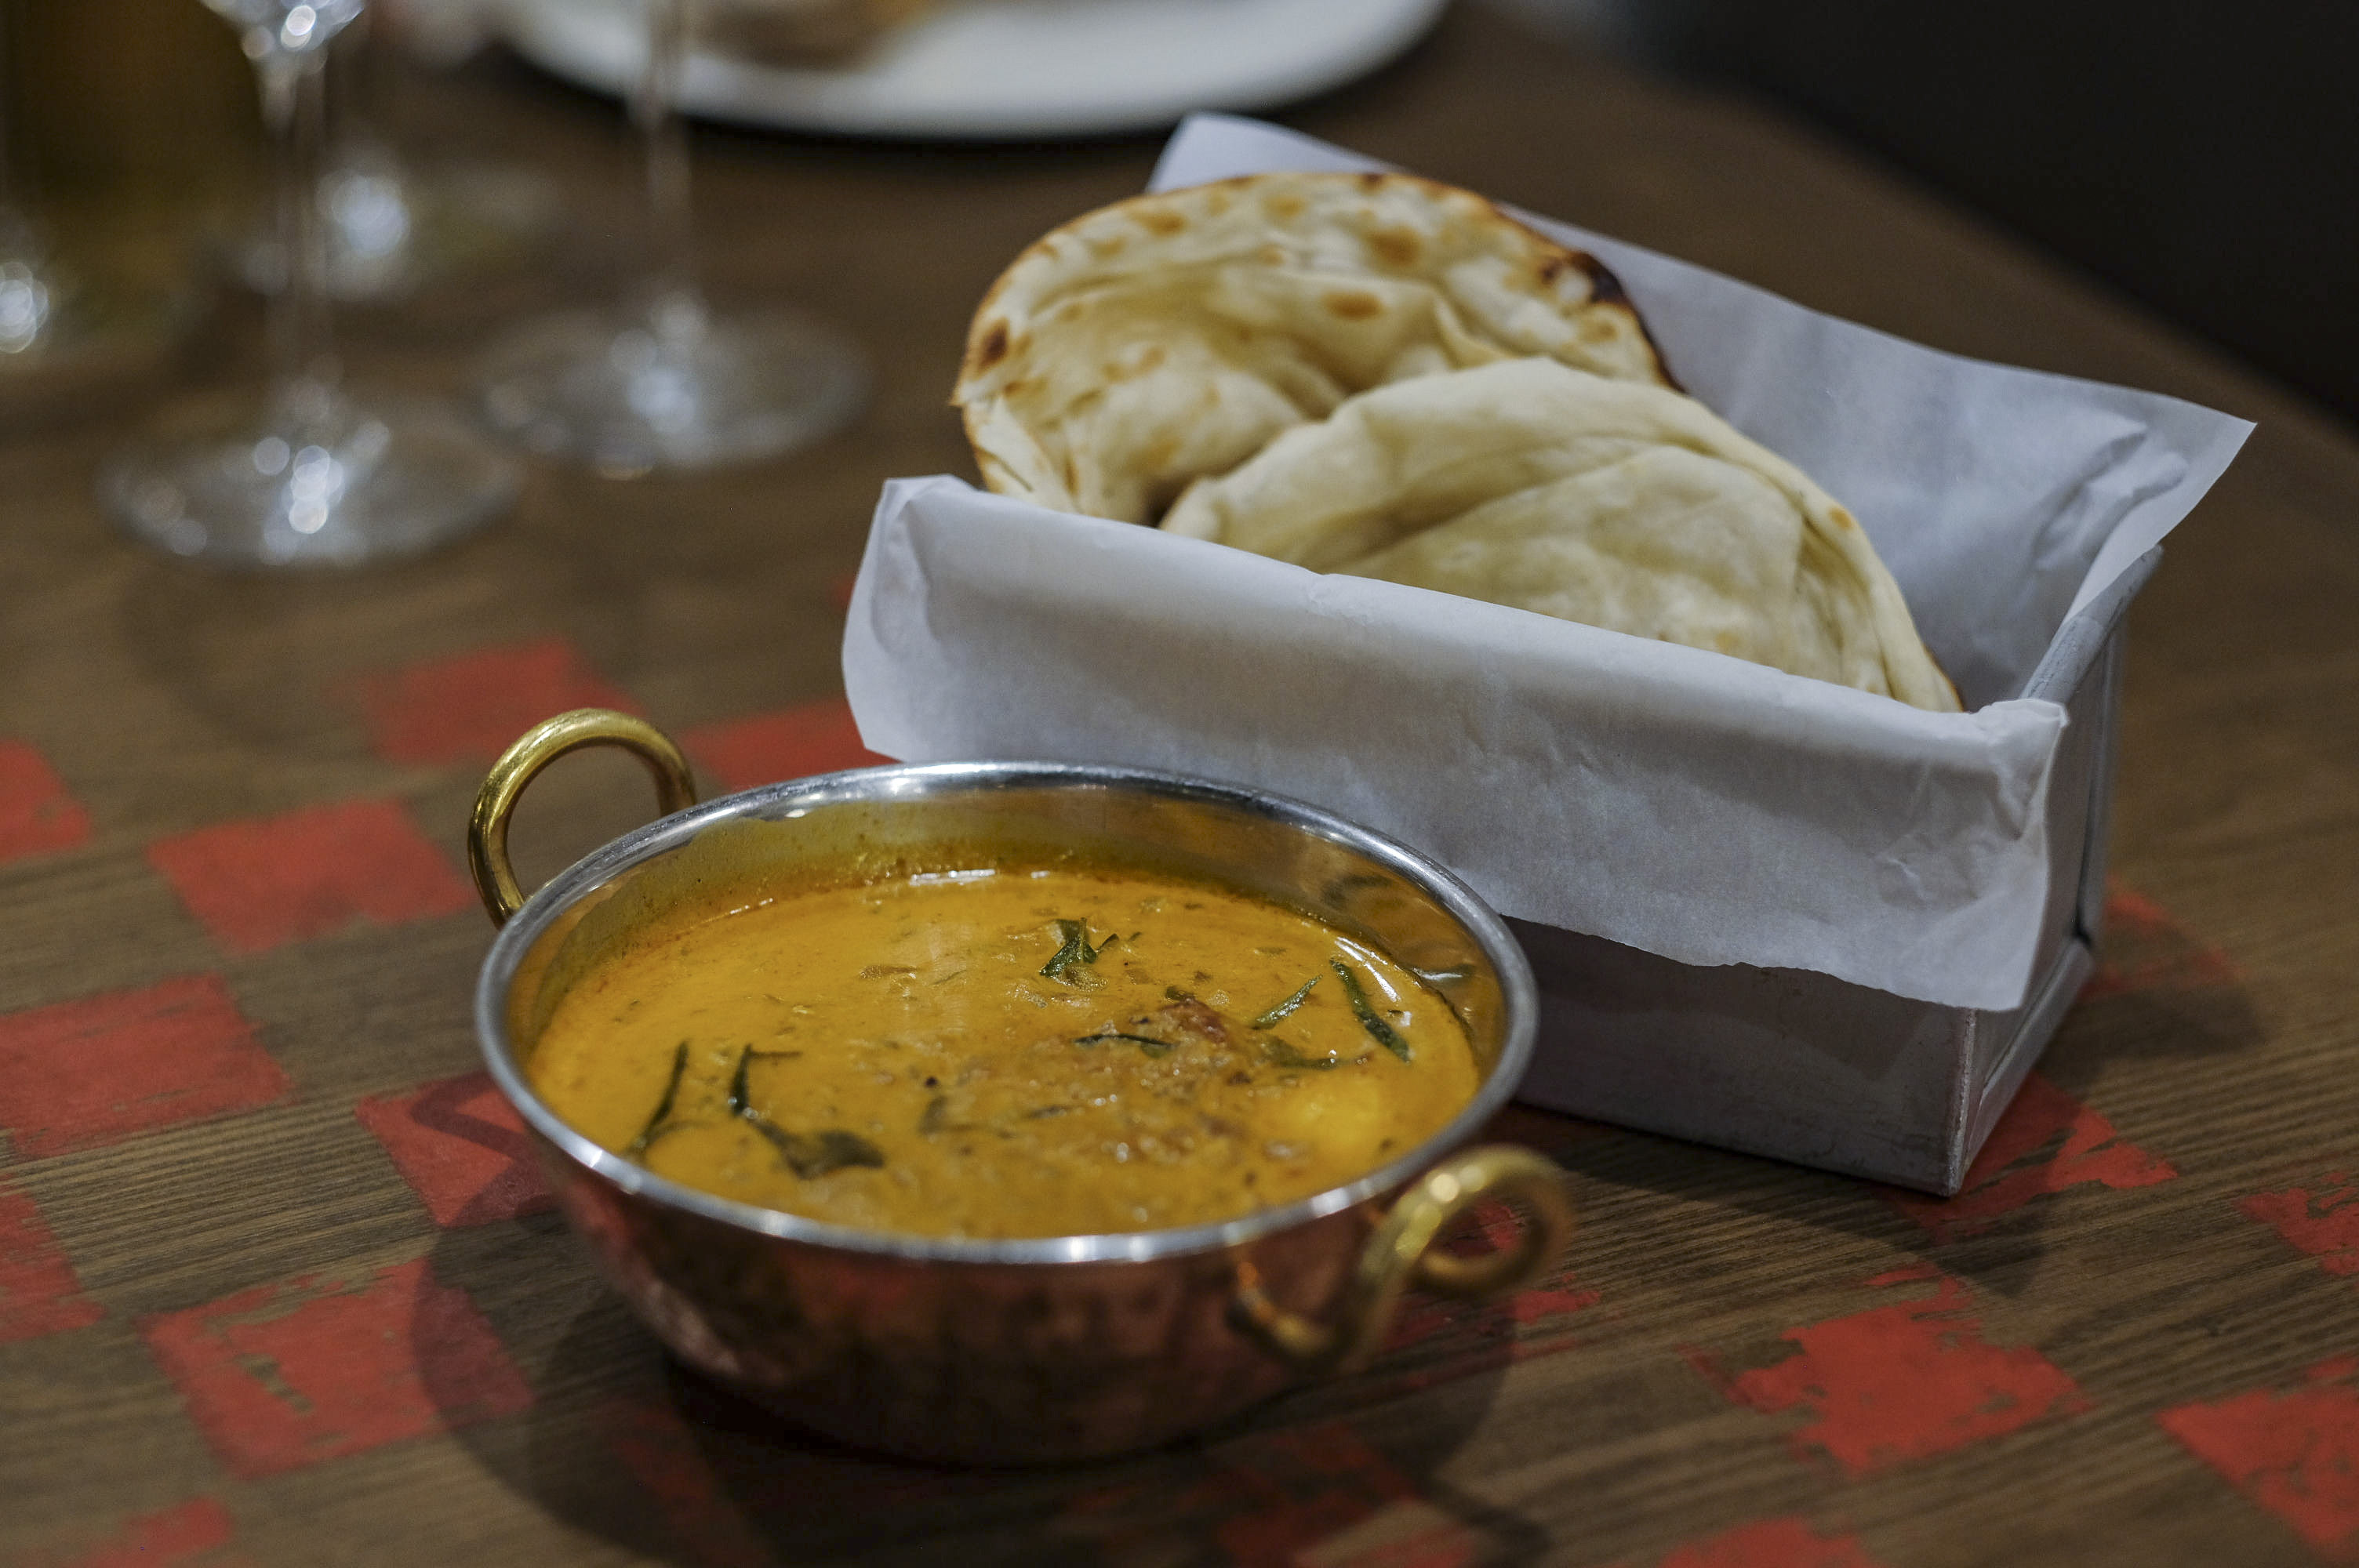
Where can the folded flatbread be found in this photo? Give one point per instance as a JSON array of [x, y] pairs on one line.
[[1169, 337], [1615, 502]]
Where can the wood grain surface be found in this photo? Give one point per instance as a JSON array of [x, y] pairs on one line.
[[275, 1287]]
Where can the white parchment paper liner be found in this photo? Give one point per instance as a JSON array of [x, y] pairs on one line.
[[1700, 808]]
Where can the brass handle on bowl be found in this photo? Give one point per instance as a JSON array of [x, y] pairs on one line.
[[487, 830], [1400, 1253]]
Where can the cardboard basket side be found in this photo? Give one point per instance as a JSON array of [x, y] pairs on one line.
[[1803, 1067]]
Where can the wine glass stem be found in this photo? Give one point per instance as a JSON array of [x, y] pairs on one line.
[[671, 272], [356, 89], [303, 370]]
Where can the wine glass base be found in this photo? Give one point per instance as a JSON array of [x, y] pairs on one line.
[[404, 477], [609, 391]]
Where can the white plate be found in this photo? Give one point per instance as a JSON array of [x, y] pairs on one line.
[[1008, 68]]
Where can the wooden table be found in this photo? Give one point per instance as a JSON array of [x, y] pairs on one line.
[[273, 1287]]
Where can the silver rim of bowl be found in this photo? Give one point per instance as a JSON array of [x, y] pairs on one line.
[[1518, 995]]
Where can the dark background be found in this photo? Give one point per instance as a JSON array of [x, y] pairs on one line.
[[2202, 155]]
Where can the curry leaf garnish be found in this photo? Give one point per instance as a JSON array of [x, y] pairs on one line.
[[808, 1154], [811, 1154], [1146, 1042], [840, 1148], [1282, 1054], [739, 1103], [1076, 950], [663, 1106], [1383, 1033], [1288, 1005]]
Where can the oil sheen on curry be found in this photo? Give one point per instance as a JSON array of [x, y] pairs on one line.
[[1007, 1054]]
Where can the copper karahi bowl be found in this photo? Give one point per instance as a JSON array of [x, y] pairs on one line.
[[1039, 1349]]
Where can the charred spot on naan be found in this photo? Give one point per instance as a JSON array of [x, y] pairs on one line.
[[991, 347], [1396, 246], [1605, 295]]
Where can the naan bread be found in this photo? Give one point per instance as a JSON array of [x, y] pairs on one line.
[[1616, 503], [1169, 337]]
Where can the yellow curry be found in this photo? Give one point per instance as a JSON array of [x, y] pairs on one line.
[[1005, 1053]]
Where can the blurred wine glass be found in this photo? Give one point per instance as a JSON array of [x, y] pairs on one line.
[[664, 383], [395, 225], [66, 335], [30, 289], [315, 477]]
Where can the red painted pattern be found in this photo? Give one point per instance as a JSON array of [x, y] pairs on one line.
[[77, 1075], [468, 708], [1772, 1543], [39, 1293], [37, 814], [315, 1368], [2045, 1142], [791, 743], [261, 884], [1905, 1381], [2322, 1219], [2296, 1453], [839, 591], [2145, 949], [656, 1448], [460, 1146], [184, 1533]]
